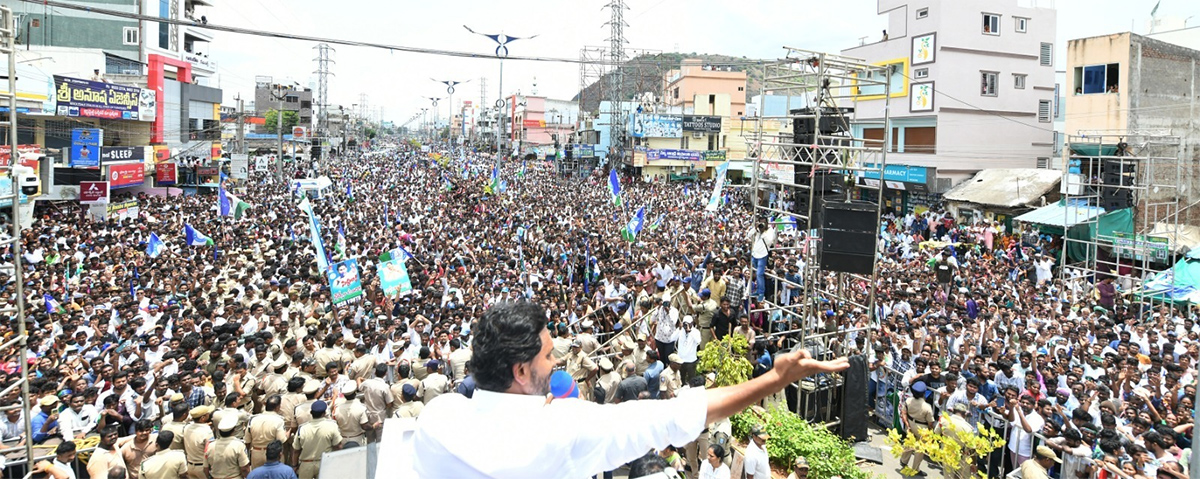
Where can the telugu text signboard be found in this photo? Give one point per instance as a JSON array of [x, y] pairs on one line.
[[1140, 247], [84, 98], [656, 126], [122, 175]]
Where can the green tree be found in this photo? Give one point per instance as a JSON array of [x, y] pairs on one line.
[[371, 133], [290, 119], [727, 359]]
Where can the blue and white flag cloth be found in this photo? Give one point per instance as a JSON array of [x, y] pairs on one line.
[[154, 246]]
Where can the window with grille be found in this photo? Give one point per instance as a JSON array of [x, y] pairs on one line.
[[988, 81], [1047, 55], [1044, 111], [1018, 81], [1043, 162]]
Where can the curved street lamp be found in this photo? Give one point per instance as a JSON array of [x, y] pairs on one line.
[[502, 42]]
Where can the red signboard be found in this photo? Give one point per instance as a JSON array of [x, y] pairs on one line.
[[91, 192], [128, 174], [166, 173]]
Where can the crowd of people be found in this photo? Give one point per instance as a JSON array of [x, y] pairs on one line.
[[230, 359]]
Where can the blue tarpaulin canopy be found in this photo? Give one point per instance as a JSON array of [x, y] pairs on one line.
[[1062, 215]]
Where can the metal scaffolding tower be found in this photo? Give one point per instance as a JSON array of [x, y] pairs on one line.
[[616, 87], [8, 45], [1109, 171], [787, 189], [323, 61], [591, 71]]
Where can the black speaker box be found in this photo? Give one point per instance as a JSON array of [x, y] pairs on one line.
[[853, 263], [850, 216], [854, 400], [843, 241]]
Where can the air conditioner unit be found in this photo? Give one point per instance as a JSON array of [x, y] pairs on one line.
[[696, 134]]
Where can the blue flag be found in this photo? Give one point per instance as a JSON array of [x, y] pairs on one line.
[[614, 187], [132, 282], [225, 207], [154, 246]]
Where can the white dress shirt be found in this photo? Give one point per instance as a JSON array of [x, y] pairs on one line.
[[498, 435], [707, 471]]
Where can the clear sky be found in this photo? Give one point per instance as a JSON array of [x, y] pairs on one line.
[[399, 81]]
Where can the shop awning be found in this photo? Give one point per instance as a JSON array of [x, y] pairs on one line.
[[1061, 214], [1006, 187]]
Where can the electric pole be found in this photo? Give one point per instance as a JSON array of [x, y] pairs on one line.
[[323, 74], [241, 126]]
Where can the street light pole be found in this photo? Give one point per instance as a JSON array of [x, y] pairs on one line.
[[436, 133], [279, 94], [502, 42], [450, 84]]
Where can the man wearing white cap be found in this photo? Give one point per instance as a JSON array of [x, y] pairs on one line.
[[227, 457], [351, 415], [609, 378], [687, 346]]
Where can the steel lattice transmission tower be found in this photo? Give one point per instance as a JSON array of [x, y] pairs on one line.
[[323, 74], [616, 56]]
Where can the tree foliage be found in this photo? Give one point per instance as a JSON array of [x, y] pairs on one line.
[[271, 120], [827, 454], [727, 358], [952, 448]]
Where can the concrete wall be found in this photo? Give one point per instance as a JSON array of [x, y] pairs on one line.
[[974, 131], [77, 29], [1097, 111]]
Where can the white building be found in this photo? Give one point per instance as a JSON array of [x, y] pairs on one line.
[[973, 88]]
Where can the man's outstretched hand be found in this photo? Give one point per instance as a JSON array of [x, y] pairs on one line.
[[798, 365]]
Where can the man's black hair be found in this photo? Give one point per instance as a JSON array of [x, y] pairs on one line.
[[509, 333]]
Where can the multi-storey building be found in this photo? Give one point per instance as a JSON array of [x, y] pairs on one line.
[[972, 87]]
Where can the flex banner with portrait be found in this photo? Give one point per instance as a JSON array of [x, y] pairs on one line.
[[344, 282], [393, 276]]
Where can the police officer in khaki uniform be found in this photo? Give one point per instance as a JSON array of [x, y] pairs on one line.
[[312, 389], [233, 403], [314, 439], [196, 437], [404, 377], [918, 418], [179, 420], [582, 368], [351, 416], [410, 403], [609, 378], [264, 428], [289, 401], [167, 463], [227, 457]]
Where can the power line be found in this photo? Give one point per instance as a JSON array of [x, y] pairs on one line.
[[353, 43]]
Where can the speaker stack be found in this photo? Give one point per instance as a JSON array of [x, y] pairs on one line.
[[1116, 178], [854, 400], [849, 230], [825, 183]]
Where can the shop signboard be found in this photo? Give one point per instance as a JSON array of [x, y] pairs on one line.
[[123, 175], [112, 154], [669, 154], [93, 192], [85, 147], [1142, 247], [166, 173], [92, 99], [239, 166], [656, 126], [713, 155], [702, 124], [122, 210], [904, 173]]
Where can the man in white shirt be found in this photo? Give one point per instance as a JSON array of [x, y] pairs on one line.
[[79, 419], [757, 465], [513, 361], [687, 345]]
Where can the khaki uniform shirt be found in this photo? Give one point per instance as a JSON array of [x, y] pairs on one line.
[[168, 464], [240, 429], [363, 367], [410, 409], [273, 384], [304, 412], [195, 440], [579, 365], [226, 458], [264, 428], [103, 460], [315, 438], [375, 395], [133, 455], [350, 417], [458, 363], [435, 384], [177, 429], [609, 382], [287, 407], [587, 342], [920, 413]]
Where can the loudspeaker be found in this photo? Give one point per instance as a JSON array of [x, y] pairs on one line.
[[848, 236], [854, 242], [851, 216], [854, 400], [853, 263], [833, 120]]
